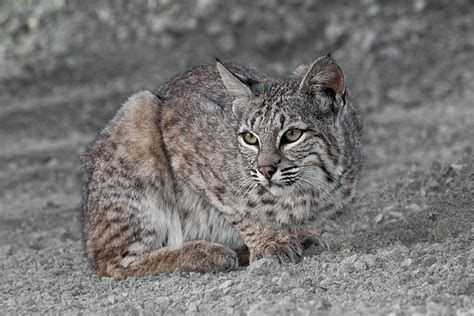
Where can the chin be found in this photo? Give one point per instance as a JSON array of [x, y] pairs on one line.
[[278, 190]]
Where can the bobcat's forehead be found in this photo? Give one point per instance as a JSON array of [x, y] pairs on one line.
[[277, 106]]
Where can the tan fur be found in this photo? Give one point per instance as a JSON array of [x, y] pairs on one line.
[[168, 184]]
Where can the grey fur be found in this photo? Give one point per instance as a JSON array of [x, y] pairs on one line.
[[170, 182]]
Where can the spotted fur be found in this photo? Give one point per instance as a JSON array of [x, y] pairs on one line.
[[170, 184]]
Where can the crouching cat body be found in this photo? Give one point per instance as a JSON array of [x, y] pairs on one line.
[[221, 164]]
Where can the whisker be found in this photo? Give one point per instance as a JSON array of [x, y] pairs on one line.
[[251, 187], [246, 182], [342, 173], [298, 187], [323, 192]]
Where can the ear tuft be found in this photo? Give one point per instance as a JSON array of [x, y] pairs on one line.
[[236, 86]]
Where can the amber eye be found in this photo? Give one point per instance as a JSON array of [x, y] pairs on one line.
[[292, 135], [250, 138]]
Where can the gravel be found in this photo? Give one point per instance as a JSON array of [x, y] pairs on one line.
[[405, 247]]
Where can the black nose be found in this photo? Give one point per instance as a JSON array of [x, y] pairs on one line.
[[267, 171]]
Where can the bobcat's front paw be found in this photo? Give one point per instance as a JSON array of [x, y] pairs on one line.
[[203, 256], [283, 252]]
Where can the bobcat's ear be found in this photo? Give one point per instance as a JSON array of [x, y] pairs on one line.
[[238, 87], [325, 75], [301, 71]]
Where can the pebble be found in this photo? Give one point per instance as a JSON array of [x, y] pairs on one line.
[[347, 265], [429, 261], [285, 279], [193, 307], [226, 284], [263, 266], [326, 283], [163, 301], [414, 207], [360, 265], [406, 263], [11, 301], [370, 260]]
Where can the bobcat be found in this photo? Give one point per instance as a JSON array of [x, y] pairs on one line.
[[222, 164]]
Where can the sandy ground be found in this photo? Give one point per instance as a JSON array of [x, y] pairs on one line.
[[405, 247]]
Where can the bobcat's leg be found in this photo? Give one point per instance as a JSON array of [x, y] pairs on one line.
[[192, 256], [267, 241], [137, 237], [308, 235]]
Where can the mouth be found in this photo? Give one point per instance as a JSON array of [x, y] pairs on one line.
[[274, 188], [270, 184]]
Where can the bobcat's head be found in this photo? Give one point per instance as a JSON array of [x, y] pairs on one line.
[[289, 128]]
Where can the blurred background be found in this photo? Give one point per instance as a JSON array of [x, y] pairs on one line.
[[66, 66]]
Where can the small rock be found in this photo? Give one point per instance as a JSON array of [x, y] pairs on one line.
[[32, 22], [285, 279], [397, 215], [29, 302], [390, 266], [414, 207], [263, 266], [456, 167], [360, 265], [406, 263], [325, 283], [370, 260], [398, 250], [111, 299], [429, 261], [226, 284], [11, 302], [193, 307], [163, 301], [379, 217]]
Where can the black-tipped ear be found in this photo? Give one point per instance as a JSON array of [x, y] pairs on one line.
[[325, 75], [238, 87]]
